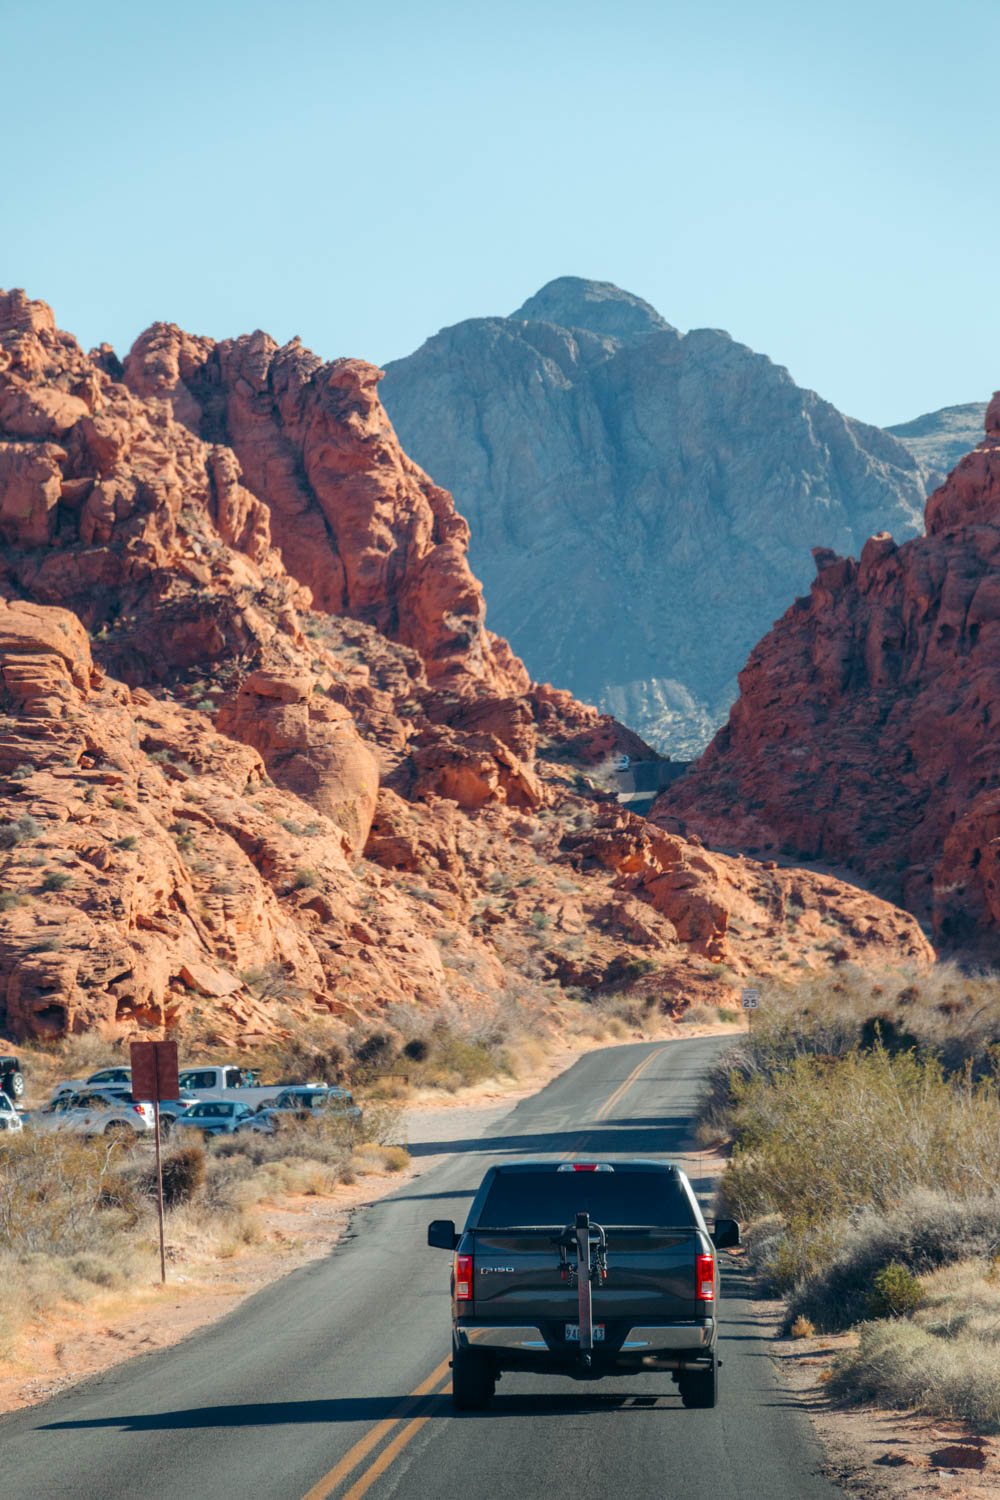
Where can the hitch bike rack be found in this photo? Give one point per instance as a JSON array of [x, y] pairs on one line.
[[590, 1269]]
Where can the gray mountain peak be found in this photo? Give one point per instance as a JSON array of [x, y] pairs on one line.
[[642, 503], [598, 306]]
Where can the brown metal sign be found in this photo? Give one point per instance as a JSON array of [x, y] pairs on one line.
[[154, 1070]]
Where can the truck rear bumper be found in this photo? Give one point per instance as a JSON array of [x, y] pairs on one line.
[[657, 1342]]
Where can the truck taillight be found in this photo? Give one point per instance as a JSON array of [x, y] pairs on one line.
[[138, 1109], [463, 1278], [704, 1277]]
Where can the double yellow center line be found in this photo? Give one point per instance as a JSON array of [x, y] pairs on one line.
[[438, 1383], [623, 1088]]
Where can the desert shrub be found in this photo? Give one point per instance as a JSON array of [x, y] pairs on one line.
[[802, 1329], [56, 880], [417, 1049], [375, 1053], [895, 1292], [51, 1189], [944, 1361], [699, 1015], [18, 830], [128, 842], [184, 1173], [305, 878], [10, 899], [270, 981], [924, 1232], [823, 1138]]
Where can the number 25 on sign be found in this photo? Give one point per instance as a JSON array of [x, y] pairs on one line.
[[750, 999]]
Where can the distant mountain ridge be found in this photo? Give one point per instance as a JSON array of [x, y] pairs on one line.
[[642, 502], [940, 438]]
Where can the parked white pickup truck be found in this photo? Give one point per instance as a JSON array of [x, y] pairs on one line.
[[229, 1082]]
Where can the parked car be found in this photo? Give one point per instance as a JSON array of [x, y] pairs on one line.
[[215, 1117], [103, 1078], [94, 1112], [584, 1269], [10, 1118], [307, 1101], [170, 1109], [229, 1081], [11, 1077]]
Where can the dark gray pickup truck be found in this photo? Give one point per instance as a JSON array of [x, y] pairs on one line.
[[584, 1269]]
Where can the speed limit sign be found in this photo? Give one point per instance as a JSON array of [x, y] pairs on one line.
[[750, 999]]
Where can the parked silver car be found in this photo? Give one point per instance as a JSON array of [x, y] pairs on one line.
[[93, 1112], [215, 1117], [10, 1118], [307, 1102]]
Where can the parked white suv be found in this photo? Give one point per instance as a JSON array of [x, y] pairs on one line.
[[94, 1112], [10, 1119]]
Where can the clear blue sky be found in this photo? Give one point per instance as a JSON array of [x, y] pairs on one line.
[[818, 180]]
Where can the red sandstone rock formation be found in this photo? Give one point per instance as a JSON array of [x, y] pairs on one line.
[[226, 814], [865, 732]]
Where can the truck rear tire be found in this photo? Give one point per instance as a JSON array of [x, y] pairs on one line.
[[473, 1379], [700, 1387]]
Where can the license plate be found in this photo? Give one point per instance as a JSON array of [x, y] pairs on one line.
[[573, 1333]]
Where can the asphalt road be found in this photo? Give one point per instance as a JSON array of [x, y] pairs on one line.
[[333, 1382]]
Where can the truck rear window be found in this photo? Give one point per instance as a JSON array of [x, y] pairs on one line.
[[555, 1198]]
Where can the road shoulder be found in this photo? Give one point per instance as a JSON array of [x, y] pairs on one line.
[[876, 1454]]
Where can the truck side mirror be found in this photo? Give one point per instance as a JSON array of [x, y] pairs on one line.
[[441, 1234], [726, 1234]]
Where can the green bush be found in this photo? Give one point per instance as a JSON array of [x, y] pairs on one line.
[[895, 1292], [56, 880]]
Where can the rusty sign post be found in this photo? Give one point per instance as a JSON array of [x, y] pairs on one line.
[[154, 1077]]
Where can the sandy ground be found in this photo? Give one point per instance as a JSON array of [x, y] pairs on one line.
[[81, 1339]]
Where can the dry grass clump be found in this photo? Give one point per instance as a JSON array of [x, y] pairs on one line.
[[825, 1138], [448, 1049], [944, 1361], [61, 1237], [924, 1232], [78, 1217]]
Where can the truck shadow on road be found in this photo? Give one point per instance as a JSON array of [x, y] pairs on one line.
[[367, 1409]]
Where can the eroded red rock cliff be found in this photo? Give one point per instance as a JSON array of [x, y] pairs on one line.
[[262, 767], [866, 732]]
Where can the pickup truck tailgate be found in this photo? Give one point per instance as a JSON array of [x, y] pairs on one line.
[[651, 1274]]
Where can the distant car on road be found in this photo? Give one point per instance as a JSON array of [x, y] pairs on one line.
[[215, 1117], [11, 1077], [622, 763], [307, 1102], [94, 1112], [10, 1118]]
